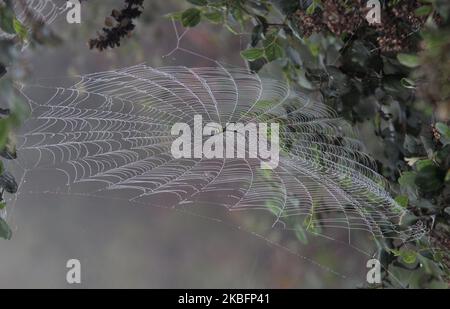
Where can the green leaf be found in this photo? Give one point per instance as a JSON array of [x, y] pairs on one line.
[[274, 209], [312, 8], [253, 54], [429, 179], [4, 132], [198, 2], [5, 231], [273, 51], [215, 17], [407, 179], [257, 34], [301, 234], [424, 10], [6, 19], [237, 13], [444, 131], [408, 256], [191, 17], [421, 164], [408, 60], [175, 15], [3, 70], [408, 83], [402, 200], [20, 29], [408, 186]]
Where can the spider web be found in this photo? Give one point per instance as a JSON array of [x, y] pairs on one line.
[[109, 134], [112, 129], [363, 160]]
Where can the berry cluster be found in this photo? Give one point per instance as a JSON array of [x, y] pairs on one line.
[[118, 26], [399, 21]]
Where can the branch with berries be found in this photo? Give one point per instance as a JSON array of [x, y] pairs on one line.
[[400, 22], [118, 26]]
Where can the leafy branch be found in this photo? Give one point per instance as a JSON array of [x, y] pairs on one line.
[[119, 25], [391, 78]]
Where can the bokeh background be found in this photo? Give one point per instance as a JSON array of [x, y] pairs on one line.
[[121, 245]]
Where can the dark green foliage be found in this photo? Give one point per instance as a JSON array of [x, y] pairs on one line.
[[5, 231], [12, 36], [191, 17], [377, 77]]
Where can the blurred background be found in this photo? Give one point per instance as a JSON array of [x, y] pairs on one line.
[[121, 245]]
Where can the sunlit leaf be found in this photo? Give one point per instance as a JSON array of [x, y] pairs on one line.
[[408, 60], [253, 54], [5, 230], [191, 17]]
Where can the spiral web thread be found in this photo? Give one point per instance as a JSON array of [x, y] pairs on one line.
[[112, 129], [46, 11]]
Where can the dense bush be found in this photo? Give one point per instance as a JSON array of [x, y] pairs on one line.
[[12, 35], [391, 77]]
